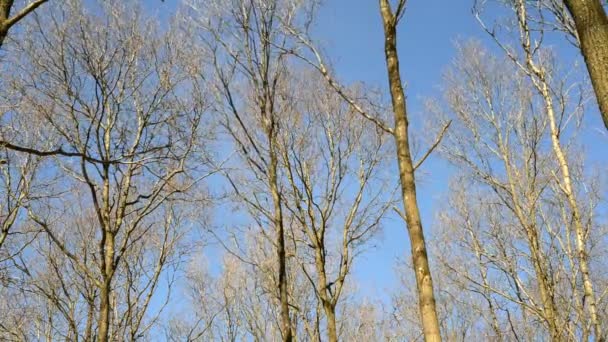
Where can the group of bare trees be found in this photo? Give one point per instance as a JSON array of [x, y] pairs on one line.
[[130, 148]]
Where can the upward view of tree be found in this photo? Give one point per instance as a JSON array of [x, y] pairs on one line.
[[108, 112], [208, 170]]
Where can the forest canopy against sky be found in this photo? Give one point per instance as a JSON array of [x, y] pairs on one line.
[[303, 170]]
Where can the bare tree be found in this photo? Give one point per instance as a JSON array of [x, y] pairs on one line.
[[246, 45], [424, 282], [104, 148], [585, 26], [458, 310], [327, 149], [18, 187], [534, 62], [509, 235], [23, 181], [407, 167], [109, 89]]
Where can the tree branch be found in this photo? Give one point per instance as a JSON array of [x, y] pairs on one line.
[[434, 146], [25, 11]]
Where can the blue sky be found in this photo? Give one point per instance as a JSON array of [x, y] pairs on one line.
[[350, 33]]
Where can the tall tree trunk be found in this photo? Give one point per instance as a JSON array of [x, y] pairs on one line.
[[88, 331], [324, 293], [424, 282], [280, 231], [106, 246], [592, 28], [105, 308], [544, 284], [591, 24], [543, 279], [566, 186]]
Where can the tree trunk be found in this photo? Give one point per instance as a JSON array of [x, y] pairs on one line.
[[581, 246], [106, 291], [592, 28], [280, 231], [3, 33], [424, 282], [544, 287], [5, 12], [332, 331], [88, 331], [543, 280], [324, 293]]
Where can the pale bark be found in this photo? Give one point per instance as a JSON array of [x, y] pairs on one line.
[[424, 282], [539, 78]]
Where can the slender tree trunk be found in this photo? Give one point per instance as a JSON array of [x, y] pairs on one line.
[[544, 287], [592, 28], [593, 24], [280, 231], [3, 236], [88, 331], [105, 308], [3, 33], [544, 284], [566, 186], [328, 306], [106, 246], [424, 282]]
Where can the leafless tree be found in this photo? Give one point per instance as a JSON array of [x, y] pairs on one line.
[[111, 125], [585, 25], [246, 47], [308, 52], [108, 89], [508, 214], [327, 150], [537, 64]]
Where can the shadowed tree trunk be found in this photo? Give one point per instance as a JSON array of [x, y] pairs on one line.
[[592, 28], [286, 326], [424, 282]]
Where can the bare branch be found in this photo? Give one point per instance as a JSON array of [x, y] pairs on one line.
[[434, 146]]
